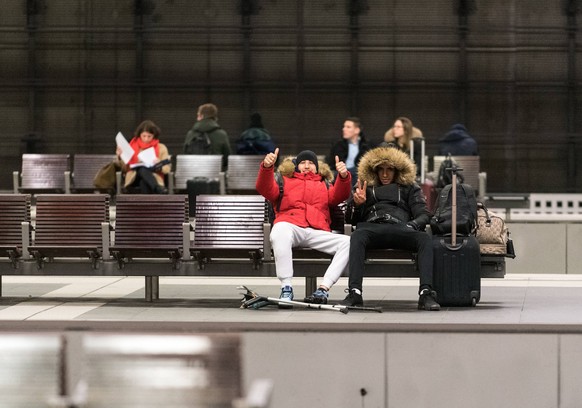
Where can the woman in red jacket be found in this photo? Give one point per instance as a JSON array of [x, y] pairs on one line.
[[302, 215]]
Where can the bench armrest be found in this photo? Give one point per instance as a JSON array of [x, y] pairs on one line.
[[16, 181], [25, 239], [482, 186], [222, 182], [186, 228], [67, 175], [105, 235], [171, 182], [267, 255], [118, 180], [348, 229]]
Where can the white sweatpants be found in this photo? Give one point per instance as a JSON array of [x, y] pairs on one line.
[[285, 236]]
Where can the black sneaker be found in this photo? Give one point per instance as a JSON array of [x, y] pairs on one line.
[[354, 298], [319, 297], [427, 300]]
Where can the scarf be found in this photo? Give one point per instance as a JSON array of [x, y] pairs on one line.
[[137, 145]]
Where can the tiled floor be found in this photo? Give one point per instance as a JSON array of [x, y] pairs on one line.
[[185, 302]]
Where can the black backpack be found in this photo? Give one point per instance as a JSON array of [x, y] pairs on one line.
[[197, 143], [441, 221], [445, 177], [261, 147]]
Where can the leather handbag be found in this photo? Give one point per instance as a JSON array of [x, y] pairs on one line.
[[105, 177], [491, 228]]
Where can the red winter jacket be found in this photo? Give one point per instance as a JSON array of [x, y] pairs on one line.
[[306, 198]]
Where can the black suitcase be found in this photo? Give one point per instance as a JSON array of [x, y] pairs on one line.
[[457, 265], [198, 186]]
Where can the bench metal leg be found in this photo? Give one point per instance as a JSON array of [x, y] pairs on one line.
[[152, 288], [156, 287], [310, 285]]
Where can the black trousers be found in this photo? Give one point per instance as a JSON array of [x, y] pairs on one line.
[[389, 236], [146, 181]]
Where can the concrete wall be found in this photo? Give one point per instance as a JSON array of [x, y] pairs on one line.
[[417, 369], [546, 248]]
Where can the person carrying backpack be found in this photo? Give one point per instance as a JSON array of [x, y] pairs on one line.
[[302, 215], [206, 136], [256, 139]]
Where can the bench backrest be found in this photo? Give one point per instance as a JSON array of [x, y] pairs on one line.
[[44, 172], [14, 210], [469, 164], [242, 172], [150, 221], [229, 221], [70, 220], [189, 166], [85, 167]]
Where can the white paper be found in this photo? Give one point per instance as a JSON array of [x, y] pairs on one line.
[[147, 157], [126, 150]]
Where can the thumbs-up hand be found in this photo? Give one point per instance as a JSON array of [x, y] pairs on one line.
[[341, 168], [271, 158]]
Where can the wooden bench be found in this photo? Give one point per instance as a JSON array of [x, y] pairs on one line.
[[242, 173], [224, 213], [189, 166], [151, 236], [70, 226], [14, 211], [85, 167], [43, 173]]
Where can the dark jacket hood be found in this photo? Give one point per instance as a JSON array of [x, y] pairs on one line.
[[405, 168], [457, 132]]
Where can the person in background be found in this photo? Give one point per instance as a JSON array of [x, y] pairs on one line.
[[458, 142], [302, 215], [350, 148], [400, 135], [389, 211], [149, 180], [206, 136], [255, 139]]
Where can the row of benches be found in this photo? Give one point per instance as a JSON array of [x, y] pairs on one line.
[[54, 172], [152, 236], [44, 173]]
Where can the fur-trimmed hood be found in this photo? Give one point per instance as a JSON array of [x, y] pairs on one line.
[[287, 168], [405, 168]]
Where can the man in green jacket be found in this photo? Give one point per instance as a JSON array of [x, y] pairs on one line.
[[206, 136]]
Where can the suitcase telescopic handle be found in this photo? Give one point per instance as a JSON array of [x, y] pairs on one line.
[[454, 170]]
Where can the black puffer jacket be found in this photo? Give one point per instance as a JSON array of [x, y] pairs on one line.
[[399, 202]]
